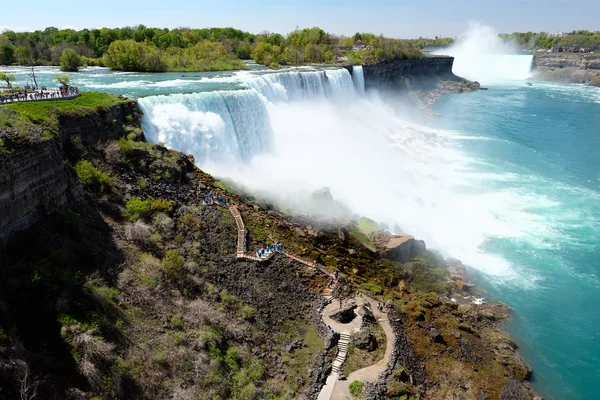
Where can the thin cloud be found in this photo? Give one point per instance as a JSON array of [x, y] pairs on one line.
[[4, 28]]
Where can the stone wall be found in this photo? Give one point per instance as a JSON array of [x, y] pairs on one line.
[[35, 179]]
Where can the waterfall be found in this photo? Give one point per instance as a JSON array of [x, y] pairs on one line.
[[303, 85], [230, 125], [358, 77], [480, 55], [234, 125]]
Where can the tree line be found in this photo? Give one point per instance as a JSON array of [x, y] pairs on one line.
[[141, 48], [543, 40]]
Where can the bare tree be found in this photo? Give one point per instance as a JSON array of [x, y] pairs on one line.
[[26, 382], [32, 76]]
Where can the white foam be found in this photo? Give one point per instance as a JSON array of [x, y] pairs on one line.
[[480, 55]]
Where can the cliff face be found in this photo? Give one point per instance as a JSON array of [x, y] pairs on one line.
[[35, 180], [394, 74], [568, 67], [423, 79], [552, 61]]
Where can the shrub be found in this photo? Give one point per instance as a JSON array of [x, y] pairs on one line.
[[173, 262], [142, 183], [91, 177], [163, 224], [139, 233], [162, 205], [356, 388], [138, 208], [176, 321], [232, 359], [191, 221], [248, 312]]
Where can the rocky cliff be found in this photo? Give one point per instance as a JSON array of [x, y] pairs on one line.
[[424, 79], [35, 179], [568, 67]]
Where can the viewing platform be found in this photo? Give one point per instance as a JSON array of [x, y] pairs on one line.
[[40, 95]]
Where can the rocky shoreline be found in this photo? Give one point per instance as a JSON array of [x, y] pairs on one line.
[[567, 68]]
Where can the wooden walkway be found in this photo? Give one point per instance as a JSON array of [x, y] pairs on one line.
[[241, 251]]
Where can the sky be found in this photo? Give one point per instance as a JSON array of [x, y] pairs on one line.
[[396, 18]]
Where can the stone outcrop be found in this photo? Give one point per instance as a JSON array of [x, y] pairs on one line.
[[431, 75], [567, 67], [365, 340], [401, 248]]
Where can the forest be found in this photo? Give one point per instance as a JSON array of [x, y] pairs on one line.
[[145, 49]]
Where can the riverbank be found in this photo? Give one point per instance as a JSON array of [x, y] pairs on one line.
[[583, 68]]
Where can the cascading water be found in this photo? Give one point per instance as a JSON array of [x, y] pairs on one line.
[[358, 77], [234, 125], [295, 131], [223, 126], [303, 85], [480, 55]]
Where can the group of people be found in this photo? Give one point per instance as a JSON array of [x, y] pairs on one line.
[[43, 94], [268, 250], [212, 199]]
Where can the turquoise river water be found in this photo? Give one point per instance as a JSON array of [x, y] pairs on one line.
[[507, 180]]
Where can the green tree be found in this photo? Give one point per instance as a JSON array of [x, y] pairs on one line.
[[23, 55], [70, 61], [63, 80], [7, 54], [8, 78]]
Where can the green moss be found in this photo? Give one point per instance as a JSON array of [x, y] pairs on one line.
[[361, 238], [367, 226]]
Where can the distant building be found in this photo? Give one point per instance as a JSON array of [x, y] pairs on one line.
[[359, 45]]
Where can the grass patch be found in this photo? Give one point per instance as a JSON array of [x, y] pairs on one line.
[[367, 225], [40, 112], [361, 238], [358, 358], [298, 363]]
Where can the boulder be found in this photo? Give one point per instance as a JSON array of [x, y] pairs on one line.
[[298, 344], [401, 248], [365, 340], [366, 314], [345, 315], [330, 340], [436, 335]]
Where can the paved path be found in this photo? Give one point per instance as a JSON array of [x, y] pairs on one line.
[[333, 389], [371, 373]]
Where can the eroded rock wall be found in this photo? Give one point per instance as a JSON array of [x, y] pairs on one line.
[[567, 68], [35, 178]]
